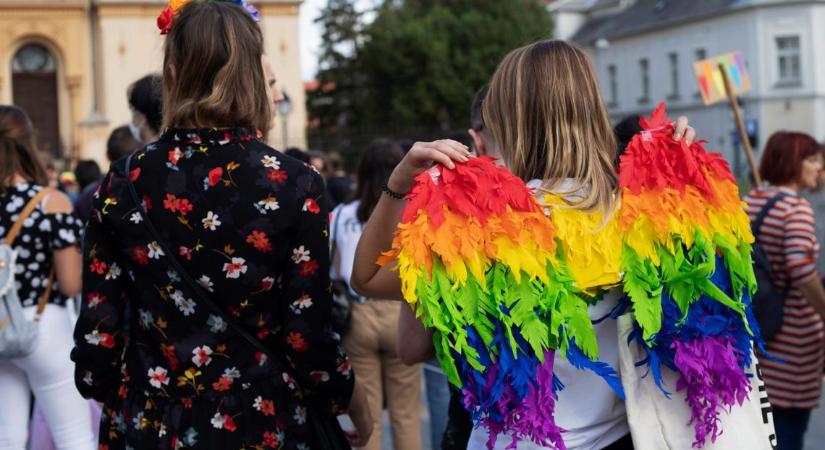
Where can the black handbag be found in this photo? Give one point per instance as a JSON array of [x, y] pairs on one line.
[[769, 301], [342, 296], [326, 431]]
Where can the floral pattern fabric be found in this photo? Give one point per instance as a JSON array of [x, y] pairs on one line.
[[248, 224], [42, 234]]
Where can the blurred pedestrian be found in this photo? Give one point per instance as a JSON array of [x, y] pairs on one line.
[[145, 102], [48, 254], [318, 160], [792, 163], [120, 144], [339, 183], [87, 172], [371, 340], [215, 245]]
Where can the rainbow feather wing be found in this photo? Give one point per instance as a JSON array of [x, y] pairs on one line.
[[480, 264], [687, 268]]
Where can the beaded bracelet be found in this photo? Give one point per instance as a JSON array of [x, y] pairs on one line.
[[391, 193]]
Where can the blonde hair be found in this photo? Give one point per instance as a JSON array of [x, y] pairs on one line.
[[212, 70], [545, 113]]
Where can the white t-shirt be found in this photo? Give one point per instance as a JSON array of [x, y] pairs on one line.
[[591, 412], [345, 232]]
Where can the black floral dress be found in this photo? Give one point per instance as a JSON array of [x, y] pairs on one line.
[[250, 226]]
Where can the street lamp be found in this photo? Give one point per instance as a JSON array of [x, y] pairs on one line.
[[284, 108]]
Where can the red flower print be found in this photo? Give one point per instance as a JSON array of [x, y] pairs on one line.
[[223, 384], [262, 333], [108, 341], [134, 174], [215, 176], [186, 252], [311, 205], [261, 358], [98, 267], [228, 423], [164, 23], [122, 391], [259, 240], [183, 206], [297, 342], [175, 155], [94, 299], [308, 268], [140, 255], [102, 447], [168, 352], [319, 376], [171, 203], [270, 440], [266, 283], [186, 402], [278, 176], [147, 202]]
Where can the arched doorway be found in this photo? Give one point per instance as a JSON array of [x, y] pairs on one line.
[[34, 88]]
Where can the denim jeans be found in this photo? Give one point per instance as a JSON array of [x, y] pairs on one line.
[[438, 400], [790, 424]]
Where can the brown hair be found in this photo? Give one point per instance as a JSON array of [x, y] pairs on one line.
[[18, 154], [784, 153], [546, 115], [212, 71]]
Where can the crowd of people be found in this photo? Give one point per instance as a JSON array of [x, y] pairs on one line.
[[208, 266]]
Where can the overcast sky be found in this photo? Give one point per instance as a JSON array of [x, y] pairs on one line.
[[310, 37]]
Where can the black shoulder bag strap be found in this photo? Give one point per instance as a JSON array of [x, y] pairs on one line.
[[763, 213], [326, 431]]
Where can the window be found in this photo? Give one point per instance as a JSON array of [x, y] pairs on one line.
[[698, 55], [613, 87], [33, 58], [644, 70], [673, 59], [787, 59]]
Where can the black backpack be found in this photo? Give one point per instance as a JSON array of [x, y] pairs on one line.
[[769, 300]]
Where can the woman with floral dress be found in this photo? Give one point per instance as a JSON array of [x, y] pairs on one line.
[[249, 225]]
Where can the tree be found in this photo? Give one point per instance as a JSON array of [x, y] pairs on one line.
[[417, 65]]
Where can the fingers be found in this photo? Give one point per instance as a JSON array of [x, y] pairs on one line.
[[680, 127], [690, 135]]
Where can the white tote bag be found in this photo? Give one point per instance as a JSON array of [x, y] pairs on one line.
[[659, 423]]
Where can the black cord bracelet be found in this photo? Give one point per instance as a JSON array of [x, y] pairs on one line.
[[392, 193]]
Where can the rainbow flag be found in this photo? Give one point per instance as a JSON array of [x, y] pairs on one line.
[[480, 264], [687, 268]]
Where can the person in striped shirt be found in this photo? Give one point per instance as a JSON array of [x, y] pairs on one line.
[[792, 162]]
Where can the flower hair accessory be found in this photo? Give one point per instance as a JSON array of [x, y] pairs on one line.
[[166, 17]]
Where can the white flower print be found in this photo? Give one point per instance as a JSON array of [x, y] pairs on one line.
[[87, 378], [271, 162], [94, 338], [300, 255], [155, 252], [235, 268], [206, 283], [232, 373], [94, 299], [136, 218], [302, 303], [300, 415], [185, 305], [158, 377], [217, 421], [211, 222], [162, 430], [114, 272], [257, 404], [202, 356], [268, 204], [216, 324]]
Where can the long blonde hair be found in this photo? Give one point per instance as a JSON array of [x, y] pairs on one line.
[[546, 115]]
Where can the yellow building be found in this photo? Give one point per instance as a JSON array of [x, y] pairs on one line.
[[70, 62]]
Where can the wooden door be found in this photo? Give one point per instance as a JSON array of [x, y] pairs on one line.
[[34, 88]]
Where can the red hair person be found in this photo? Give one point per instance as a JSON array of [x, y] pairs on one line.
[[792, 162]]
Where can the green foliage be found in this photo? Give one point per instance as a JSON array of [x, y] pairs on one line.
[[417, 65]]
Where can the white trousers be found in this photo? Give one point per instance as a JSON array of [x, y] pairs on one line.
[[49, 373]]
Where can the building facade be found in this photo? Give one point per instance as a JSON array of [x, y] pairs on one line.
[[644, 51], [69, 64]]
